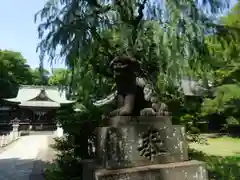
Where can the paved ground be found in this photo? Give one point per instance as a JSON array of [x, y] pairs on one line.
[[45, 156], [26, 158]]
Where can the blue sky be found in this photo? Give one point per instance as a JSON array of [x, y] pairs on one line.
[[18, 31]]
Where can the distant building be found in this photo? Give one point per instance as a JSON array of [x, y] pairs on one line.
[[35, 104], [192, 88]]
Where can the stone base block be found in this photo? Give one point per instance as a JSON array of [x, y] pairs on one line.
[[139, 145], [89, 166], [188, 170]]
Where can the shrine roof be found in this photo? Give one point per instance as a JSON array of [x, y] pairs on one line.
[[40, 96], [40, 104]]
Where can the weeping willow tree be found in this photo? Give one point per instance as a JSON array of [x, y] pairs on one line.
[[78, 31], [167, 37]]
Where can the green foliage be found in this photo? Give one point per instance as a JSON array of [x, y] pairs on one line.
[[187, 119], [62, 145], [219, 168], [79, 126], [167, 38], [13, 71], [79, 28], [40, 77], [232, 18], [14, 68], [224, 47], [59, 77], [66, 165], [226, 100], [231, 120]]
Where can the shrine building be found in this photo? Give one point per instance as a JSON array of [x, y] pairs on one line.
[[36, 105]]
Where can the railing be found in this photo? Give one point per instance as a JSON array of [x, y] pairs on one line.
[[9, 137]]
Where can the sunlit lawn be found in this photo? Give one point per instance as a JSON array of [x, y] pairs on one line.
[[222, 157], [223, 146]]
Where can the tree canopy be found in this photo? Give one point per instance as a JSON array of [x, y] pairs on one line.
[[224, 47], [13, 71], [40, 77], [171, 39], [59, 77], [81, 29]]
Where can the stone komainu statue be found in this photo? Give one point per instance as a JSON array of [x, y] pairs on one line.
[[134, 95]]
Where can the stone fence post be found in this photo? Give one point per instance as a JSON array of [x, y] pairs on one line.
[[59, 131], [15, 132], [12, 136], [3, 141]]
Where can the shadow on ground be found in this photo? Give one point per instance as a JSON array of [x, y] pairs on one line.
[[22, 169], [219, 168]]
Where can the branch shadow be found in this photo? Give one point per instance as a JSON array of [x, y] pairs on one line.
[[22, 169]]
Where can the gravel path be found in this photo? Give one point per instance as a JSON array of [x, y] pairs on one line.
[[18, 161], [44, 157]]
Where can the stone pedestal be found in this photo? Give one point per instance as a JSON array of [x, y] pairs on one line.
[[188, 170], [143, 142], [142, 148]]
